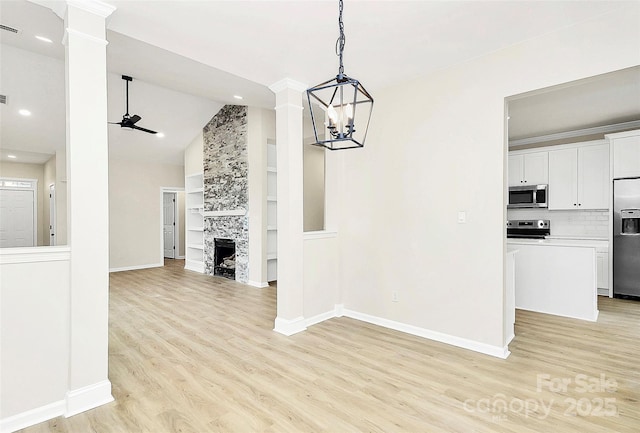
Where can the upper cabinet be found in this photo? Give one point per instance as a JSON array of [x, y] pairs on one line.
[[626, 153], [579, 177], [528, 168]]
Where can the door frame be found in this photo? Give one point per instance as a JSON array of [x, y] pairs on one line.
[[53, 221], [176, 232], [34, 189]]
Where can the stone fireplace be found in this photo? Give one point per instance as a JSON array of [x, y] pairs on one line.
[[226, 192]]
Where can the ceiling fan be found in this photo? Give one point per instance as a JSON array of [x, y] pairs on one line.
[[129, 121]]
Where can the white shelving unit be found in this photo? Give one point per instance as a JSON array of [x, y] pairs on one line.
[[272, 210], [194, 260]]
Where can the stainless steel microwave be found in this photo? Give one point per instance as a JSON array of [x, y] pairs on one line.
[[528, 196]]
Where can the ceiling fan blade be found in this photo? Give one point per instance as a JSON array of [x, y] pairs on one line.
[[135, 118], [142, 129], [115, 123]]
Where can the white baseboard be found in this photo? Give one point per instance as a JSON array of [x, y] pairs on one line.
[[88, 397], [487, 349], [180, 257], [256, 284], [32, 417], [137, 267], [289, 327], [76, 401], [320, 318]]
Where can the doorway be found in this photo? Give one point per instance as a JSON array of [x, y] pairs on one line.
[[172, 239], [18, 213], [52, 215], [169, 227]]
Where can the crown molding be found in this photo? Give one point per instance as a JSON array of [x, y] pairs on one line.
[[92, 6], [288, 83], [606, 129]]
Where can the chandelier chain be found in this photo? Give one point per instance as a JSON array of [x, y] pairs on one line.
[[341, 39]]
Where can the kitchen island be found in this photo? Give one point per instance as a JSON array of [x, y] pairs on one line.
[[557, 276]]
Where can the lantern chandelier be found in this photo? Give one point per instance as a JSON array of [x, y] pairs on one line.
[[337, 102]]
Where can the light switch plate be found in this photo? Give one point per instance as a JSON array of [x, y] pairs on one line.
[[462, 217]]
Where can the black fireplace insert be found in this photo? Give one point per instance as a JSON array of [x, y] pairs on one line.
[[224, 258]]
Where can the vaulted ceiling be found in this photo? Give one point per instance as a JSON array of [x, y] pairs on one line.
[[190, 57]]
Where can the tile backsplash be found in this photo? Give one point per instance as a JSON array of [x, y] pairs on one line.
[[593, 224]]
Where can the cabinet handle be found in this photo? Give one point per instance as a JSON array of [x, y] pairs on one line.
[[575, 204], [579, 204]]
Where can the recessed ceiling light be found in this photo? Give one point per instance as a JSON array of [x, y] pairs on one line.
[[160, 134], [237, 96], [11, 156], [24, 112], [44, 39]]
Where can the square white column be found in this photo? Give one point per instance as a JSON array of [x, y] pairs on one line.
[[289, 141], [88, 204]]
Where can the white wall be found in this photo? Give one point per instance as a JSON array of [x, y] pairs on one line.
[[30, 171], [321, 291], [437, 146], [193, 155], [261, 127], [314, 195], [135, 211], [61, 197], [180, 200], [34, 328]]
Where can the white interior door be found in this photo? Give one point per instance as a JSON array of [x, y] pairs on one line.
[[169, 224], [17, 224], [52, 215]]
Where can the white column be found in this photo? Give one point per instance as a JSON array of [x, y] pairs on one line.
[[88, 204], [289, 140]]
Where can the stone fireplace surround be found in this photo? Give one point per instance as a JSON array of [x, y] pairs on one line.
[[226, 186]]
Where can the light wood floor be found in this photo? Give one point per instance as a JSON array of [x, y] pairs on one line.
[[191, 353]]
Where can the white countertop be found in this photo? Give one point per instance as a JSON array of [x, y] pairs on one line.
[[582, 238], [563, 242]]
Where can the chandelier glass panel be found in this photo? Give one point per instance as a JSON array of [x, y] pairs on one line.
[[335, 103]]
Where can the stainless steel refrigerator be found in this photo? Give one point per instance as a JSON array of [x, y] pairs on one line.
[[626, 237]]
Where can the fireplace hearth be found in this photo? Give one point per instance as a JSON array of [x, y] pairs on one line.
[[224, 257]]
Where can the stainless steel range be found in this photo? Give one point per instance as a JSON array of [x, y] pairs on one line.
[[530, 229]]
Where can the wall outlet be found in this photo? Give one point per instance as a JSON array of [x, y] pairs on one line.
[[462, 217], [394, 296]]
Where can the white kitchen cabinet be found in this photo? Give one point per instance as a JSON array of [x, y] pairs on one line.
[[528, 168], [626, 154], [579, 178]]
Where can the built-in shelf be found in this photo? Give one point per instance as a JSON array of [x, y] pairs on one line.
[[272, 210], [194, 186]]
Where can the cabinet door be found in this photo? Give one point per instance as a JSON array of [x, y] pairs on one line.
[[626, 157], [563, 176], [593, 177], [516, 170], [536, 168]]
